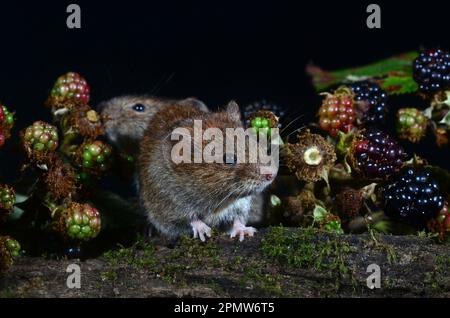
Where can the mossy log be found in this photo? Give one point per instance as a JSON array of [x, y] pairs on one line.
[[277, 262]]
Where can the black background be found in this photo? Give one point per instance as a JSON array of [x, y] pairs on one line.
[[214, 50]]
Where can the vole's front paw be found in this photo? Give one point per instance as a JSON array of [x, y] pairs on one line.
[[239, 229], [200, 230]]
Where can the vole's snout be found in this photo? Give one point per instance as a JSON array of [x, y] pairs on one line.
[[269, 176], [268, 173]]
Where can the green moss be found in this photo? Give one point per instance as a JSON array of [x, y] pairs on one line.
[[439, 277], [109, 275], [377, 243], [121, 255], [269, 285], [8, 293], [238, 260], [196, 253], [173, 273], [305, 250], [139, 255]]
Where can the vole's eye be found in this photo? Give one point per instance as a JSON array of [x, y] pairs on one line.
[[139, 108], [229, 159]]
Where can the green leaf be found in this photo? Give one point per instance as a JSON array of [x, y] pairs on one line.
[[399, 66], [319, 213], [397, 84], [446, 119]]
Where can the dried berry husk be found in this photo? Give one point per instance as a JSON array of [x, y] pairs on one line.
[[441, 224], [60, 179], [86, 121], [298, 209], [442, 136], [311, 157], [349, 202]]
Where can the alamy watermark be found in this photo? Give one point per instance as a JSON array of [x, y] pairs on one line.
[[73, 21], [374, 19], [74, 278]]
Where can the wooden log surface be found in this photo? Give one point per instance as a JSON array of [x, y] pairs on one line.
[[277, 262]]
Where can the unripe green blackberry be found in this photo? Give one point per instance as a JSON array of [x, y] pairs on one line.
[[263, 119], [80, 222], [411, 124], [7, 200], [40, 140], [6, 124], [9, 249], [94, 157], [333, 226]]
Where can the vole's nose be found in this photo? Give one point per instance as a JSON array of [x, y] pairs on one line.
[[269, 176]]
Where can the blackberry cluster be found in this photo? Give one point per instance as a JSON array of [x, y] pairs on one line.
[[370, 102], [69, 89], [413, 198], [432, 71], [263, 106], [376, 155], [337, 112], [411, 124]]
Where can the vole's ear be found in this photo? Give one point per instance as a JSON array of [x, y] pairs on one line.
[[192, 101], [233, 111]]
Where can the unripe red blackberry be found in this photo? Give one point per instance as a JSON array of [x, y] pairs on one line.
[[337, 112], [431, 70], [79, 222], [40, 140], [69, 90], [411, 124], [376, 155]]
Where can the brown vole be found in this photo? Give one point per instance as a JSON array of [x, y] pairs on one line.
[[127, 117], [189, 198]]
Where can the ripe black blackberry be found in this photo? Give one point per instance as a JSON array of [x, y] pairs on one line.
[[264, 105], [370, 102], [376, 155], [432, 71], [412, 197]]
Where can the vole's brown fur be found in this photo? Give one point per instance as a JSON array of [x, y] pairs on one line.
[[176, 196], [125, 127]]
